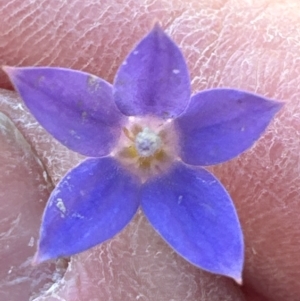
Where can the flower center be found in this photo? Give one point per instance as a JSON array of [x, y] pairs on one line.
[[147, 146], [147, 142]]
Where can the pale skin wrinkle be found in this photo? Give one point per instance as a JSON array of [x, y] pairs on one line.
[[253, 45]]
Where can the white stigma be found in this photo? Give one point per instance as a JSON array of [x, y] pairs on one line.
[[147, 142]]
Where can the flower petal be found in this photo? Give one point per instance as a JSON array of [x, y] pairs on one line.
[[91, 204], [154, 79], [193, 212], [220, 124], [75, 107]]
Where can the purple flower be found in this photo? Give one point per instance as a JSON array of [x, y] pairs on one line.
[[147, 138]]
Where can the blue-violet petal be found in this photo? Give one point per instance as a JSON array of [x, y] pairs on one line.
[[193, 212], [154, 79], [219, 124], [77, 108], [91, 204]]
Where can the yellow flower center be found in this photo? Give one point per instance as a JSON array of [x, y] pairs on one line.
[[147, 146]]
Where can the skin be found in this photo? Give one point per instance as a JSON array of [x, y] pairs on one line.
[[252, 45]]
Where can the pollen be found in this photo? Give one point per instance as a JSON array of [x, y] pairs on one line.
[[147, 142]]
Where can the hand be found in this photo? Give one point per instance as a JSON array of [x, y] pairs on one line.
[[253, 47]]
